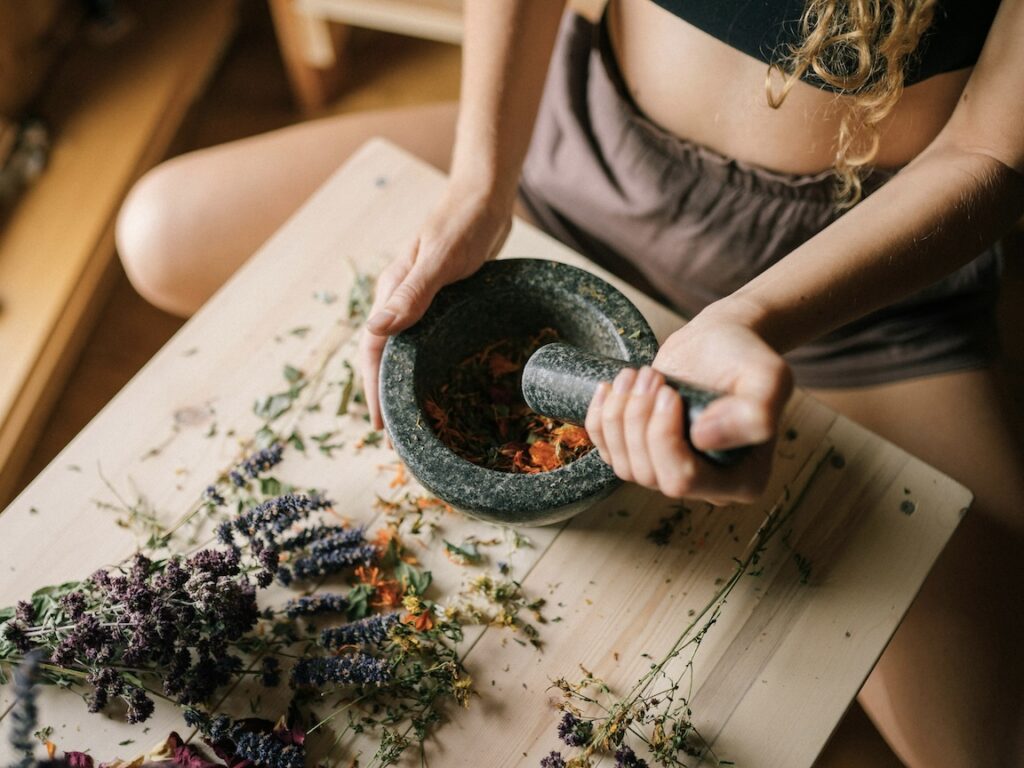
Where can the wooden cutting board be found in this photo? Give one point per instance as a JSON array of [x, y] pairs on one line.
[[773, 676]]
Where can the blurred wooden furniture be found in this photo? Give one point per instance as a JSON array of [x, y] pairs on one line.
[[311, 35], [113, 110], [33, 35]]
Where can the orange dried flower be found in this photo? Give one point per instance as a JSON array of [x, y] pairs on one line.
[[544, 456], [572, 437], [421, 622], [388, 594]]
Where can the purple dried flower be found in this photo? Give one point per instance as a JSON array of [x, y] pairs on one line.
[[625, 757], [74, 603], [356, 669], [574, 731], [270, 673], [262, 460], [553, 760], [212, 496], [140, 706], [216, 562], [325, 564], [274, 516], [267, 751], [346, 538], [372, 630], [315, 604], [25, 613], [24, 714], [15, 633], [341, 535], [226, 533], [236, 478], [284, 575]]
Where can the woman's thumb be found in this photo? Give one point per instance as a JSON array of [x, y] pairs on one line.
[[407, 302]]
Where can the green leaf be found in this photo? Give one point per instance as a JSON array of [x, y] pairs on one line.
[[467, 552], [359, 601], [270, 486], [373, 437], [292, 374], [412, 578], [360, 298], [347, 387], [295, 440], [272, 406]]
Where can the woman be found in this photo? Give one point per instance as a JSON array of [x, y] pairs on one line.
[[660, 151]]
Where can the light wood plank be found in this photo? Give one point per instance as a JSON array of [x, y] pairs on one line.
[[773, 676]]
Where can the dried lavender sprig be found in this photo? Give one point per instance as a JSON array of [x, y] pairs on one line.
[[372, 630], [316, 604], [315, 533], [357, 669], [276, 515], [313, 566], [266, 751], [212, 496], [25, 714], [262, 461]]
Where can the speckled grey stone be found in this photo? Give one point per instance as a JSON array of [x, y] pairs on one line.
[[559, 381], [512, 297]]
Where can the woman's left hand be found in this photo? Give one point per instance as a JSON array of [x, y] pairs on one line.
[[636, 422]]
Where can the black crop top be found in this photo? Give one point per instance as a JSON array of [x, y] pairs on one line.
[[763, 28]]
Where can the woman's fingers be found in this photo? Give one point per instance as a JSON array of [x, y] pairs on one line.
[[732, 422], [612, 423], [594, 420], [635, 417], [636, 424], [671, 458]]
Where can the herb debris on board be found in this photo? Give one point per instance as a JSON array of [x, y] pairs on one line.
[[361, 647]]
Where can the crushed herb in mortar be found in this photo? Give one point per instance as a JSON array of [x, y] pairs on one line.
[[481, 415]]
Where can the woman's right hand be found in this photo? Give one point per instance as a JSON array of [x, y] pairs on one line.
[[463, 231]]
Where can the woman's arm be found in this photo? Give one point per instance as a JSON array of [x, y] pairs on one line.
[[505, 58], [956, 198]]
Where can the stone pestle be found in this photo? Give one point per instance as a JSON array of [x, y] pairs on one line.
[[559, 381]]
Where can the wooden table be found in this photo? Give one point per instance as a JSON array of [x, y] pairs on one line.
[[773, 677]]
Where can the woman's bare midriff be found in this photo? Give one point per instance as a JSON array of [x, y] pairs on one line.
[[703, 90]]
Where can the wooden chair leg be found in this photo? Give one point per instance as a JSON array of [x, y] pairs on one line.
[[311, 49]]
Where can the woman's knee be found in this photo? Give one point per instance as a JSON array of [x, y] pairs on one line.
[[150, 239]]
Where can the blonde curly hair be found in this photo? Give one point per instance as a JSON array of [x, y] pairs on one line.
[[858, 48]]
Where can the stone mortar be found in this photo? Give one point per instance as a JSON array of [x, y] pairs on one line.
[[511, 297]]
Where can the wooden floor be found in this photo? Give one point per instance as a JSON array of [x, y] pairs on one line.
[[250, 95]]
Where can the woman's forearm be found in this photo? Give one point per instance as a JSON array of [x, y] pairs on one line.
[[934, 216], [505, 58]]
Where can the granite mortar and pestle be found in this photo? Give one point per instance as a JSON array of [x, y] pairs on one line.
[[601, 332]]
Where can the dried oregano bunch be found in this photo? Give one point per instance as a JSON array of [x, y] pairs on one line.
[[175, 628]]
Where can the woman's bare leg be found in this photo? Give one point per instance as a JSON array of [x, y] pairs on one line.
[[188, 224], [949, 690]]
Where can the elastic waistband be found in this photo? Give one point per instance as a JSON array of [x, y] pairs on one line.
[[816, 188]]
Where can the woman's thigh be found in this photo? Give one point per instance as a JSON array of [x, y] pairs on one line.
[[191, 222], [949, 688]]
